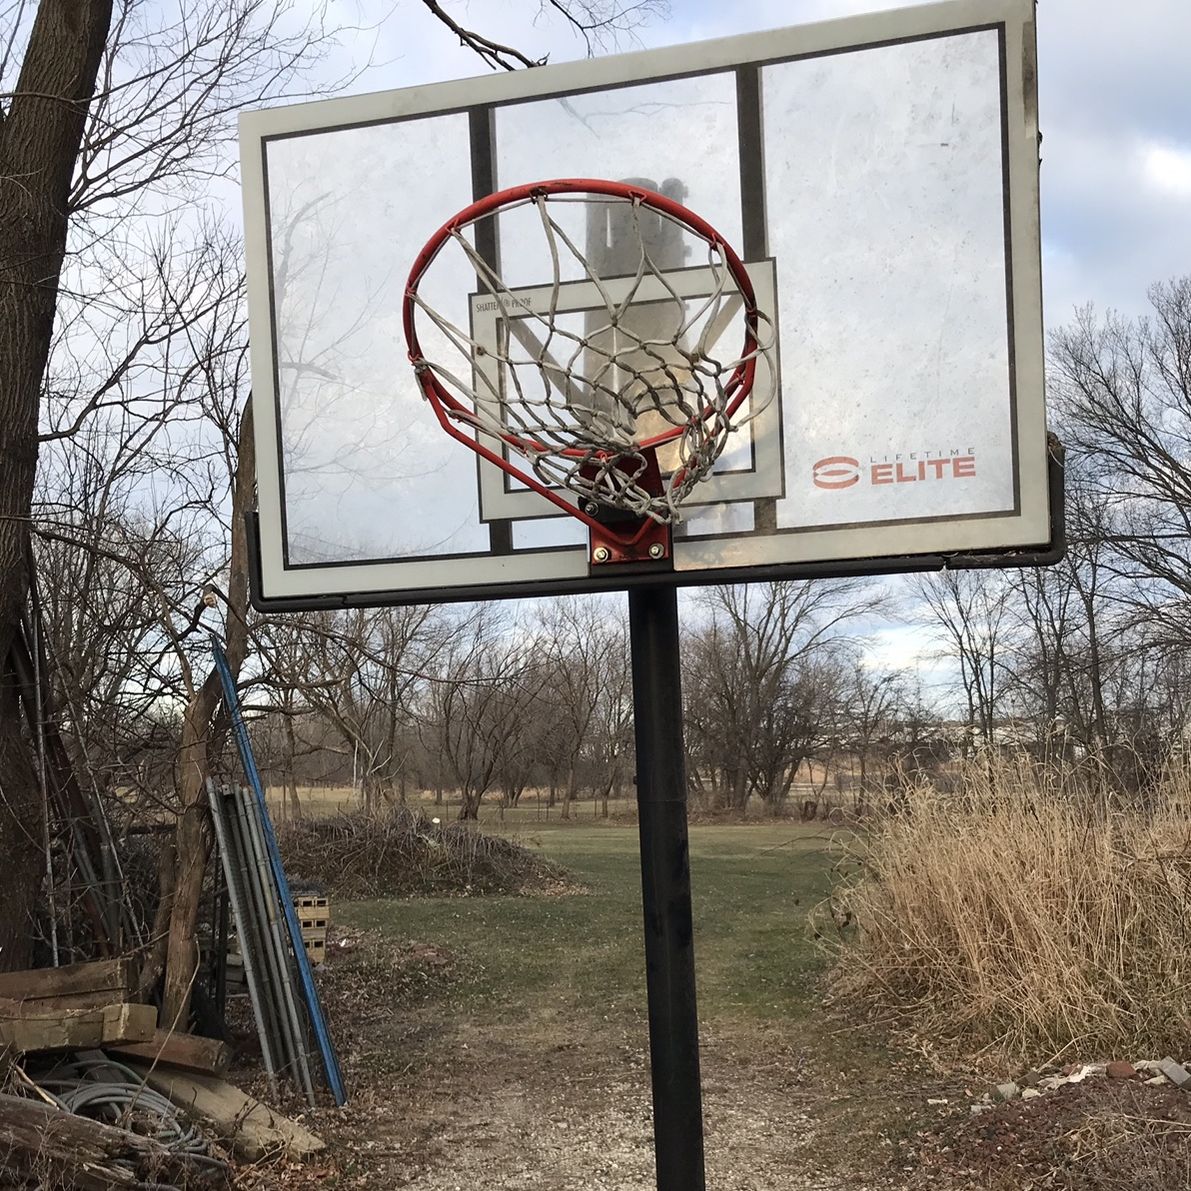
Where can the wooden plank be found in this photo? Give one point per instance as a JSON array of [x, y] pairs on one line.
[[253, 1129], [59, 1149], [91, 1000], [28, 1026], [207, 1056], [96, 980]]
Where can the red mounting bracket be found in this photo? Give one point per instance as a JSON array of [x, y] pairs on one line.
[[651, 544], [618, 536]]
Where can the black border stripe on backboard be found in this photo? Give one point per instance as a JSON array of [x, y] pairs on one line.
[[274, 323], [483, 183], [1010, 312], [750, 139]]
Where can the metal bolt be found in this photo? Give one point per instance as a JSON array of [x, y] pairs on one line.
[[601, 554], [657, 550]]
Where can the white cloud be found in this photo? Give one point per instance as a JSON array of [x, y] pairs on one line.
[[1167, 168], [907, 647]]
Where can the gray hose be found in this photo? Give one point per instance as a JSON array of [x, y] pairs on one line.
[[109, 1092]]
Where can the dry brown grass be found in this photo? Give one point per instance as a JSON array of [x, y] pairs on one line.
[[1017, 914]]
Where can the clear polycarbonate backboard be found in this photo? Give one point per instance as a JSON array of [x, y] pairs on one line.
[[878, 175]]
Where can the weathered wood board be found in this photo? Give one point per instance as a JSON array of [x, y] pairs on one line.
[[33, 1026], [252, 1129]]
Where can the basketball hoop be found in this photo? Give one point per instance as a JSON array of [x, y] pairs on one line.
[[619, 421]]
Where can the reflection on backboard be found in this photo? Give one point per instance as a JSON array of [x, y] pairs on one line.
[[879, 177]]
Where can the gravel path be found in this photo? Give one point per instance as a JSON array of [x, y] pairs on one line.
[[522, 1110]]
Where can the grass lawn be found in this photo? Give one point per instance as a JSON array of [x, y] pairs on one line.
[[582, 952]]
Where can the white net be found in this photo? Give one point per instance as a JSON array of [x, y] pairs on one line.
[[585, 396]]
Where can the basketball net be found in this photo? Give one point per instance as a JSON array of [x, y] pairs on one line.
[[590, 404]]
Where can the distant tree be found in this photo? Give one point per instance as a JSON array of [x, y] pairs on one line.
[[581, 653], [968, 612], [760, 679], [870, 703], [476, 699]]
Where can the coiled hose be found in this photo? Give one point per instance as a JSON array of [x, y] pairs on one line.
[[107, 1091]]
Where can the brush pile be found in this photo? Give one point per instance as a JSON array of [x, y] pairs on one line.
[[398, 852]]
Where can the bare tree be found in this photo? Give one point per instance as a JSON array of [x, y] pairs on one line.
[[579, 652], [1124, 390], [42, 123], [870, 706], [759, 682], [610, 736], [968, 611], [476, 699], [360, 670]]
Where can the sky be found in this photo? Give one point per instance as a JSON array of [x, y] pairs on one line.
[[1115, 113]]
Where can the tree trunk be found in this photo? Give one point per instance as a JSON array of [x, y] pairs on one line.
[[40, 134], [20, 819], [201, 729], [740, 790], [606, 794], [717, 798], [469, 806], [291, 753], [568, 794]]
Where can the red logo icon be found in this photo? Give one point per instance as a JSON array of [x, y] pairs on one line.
[[837, 471]]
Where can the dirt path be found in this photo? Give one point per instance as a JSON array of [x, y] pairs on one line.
[[536, 1106]]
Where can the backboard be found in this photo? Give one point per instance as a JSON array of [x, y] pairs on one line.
[[878, 175]]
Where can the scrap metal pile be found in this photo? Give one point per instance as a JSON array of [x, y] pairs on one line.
[[95, 1092]]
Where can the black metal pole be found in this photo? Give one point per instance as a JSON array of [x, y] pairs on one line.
[[666, 889]]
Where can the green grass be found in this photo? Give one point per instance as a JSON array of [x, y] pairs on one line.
[[582, 952]]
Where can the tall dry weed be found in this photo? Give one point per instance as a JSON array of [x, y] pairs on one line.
[[1021, 913]]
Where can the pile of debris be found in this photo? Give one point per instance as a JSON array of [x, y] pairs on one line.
[[1153, 1072], [93, 1094]]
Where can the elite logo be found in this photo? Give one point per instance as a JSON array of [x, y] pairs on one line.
[[837, 471], [910, 467]]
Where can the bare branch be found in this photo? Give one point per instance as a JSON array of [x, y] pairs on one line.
[[497, 56]]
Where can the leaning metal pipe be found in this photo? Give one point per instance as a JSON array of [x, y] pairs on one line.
[[286, 1048], [236, 897], [284, 961]]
